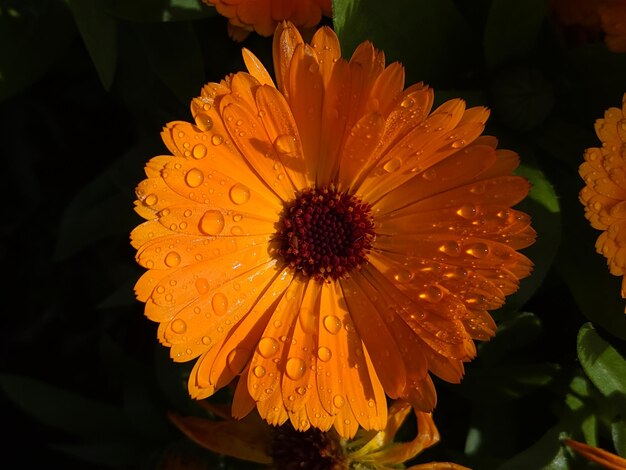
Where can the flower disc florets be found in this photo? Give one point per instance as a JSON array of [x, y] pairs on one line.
[[325, 233]]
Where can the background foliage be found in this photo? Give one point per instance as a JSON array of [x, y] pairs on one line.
[[85, 87]]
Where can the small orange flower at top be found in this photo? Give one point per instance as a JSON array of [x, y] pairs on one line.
[[262, 16], [594, 18], [328, 239], [604, 194]]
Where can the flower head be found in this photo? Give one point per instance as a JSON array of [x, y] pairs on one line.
[[285, 448], [613, 19], [604, 194], [328, 239], [262, 16]]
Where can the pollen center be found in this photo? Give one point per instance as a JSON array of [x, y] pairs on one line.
[[325, 234]]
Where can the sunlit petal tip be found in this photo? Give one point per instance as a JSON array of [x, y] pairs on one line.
[[327, 249], [600, 456]]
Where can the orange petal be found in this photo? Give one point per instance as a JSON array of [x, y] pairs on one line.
[[232, 438], [600, 456]]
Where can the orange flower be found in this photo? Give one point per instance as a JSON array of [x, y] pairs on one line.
[[284, 448], [600, 456], [594, 18], [262, 16], [613, 18], [329, 240], [604, 194]]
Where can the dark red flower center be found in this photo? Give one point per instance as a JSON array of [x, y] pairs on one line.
[[312, 449], [325, 234]]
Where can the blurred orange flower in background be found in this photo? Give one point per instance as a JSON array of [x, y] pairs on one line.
[[262, 16], [604, 194], [327, 239], [594, 17]]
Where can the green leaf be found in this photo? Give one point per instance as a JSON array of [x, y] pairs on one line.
[[512, 28], [601, 362], [618, 433], [99, 32], [33, 35], [68, 411], [425, 36], [158, 10]]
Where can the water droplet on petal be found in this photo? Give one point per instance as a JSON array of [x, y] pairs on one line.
[[239, 194], [477, 250], [268, 347], [151, 200], [295, 368], [324, 354], [179, 326], [392, 165], [194, 178], [285, 144], [332, 324], [206, 340], [308, 321], [219, 302], [301, 390], [429, 174], [198, 151], [450, 248], [432, 294], [338, 401], [467, 211], [212, 222], [403, 276], [407, 103], [259, 371], [172, 259], [457, 144], [217, 139]]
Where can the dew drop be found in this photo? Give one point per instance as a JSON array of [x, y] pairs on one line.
[[338, 401], [206, 340], [219, 302], [237, 360], [151, 200], [259, 371], [450, 248], [202, 285], [371, 403], [295, 368], [301, 390], [217, 139], [403, 276], [285, 144], [432, 294], [239, 194], [172, 259], [268, 347], [179, 326], [429, 174], [194, 178], [457, 144], [198, 151], [467, 211], [392, 165], [477, 250], [212, 222], [332, 324], [324, 354], [407, 103]]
